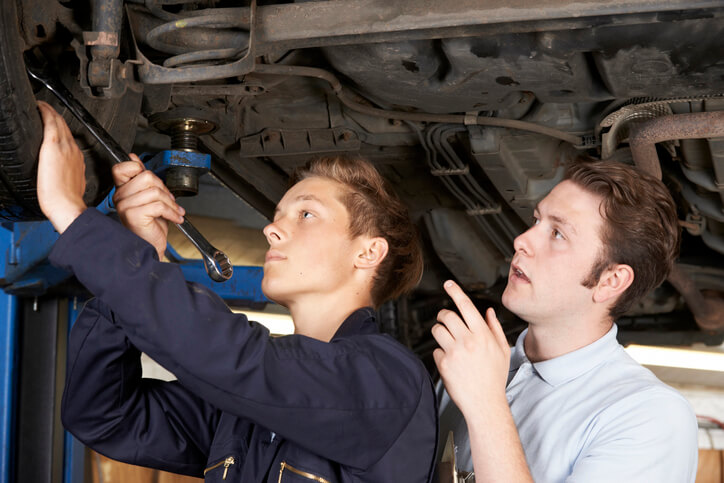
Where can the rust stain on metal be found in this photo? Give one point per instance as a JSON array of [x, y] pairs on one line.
[[101, 38], [179, 159], [644, 136]]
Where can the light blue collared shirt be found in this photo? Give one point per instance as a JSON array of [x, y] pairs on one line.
[[595, 415]]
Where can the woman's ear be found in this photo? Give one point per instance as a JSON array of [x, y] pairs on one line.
[[613, 282], [372, 252]]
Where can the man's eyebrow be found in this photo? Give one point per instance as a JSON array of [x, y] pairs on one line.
[[558, 219], [562, 221], [308, 197], [304, 197]]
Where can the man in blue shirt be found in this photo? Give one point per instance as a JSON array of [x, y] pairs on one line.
[[335, 402], [569, 405]]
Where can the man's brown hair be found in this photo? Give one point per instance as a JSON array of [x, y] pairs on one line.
[[641, 228], [376, 211]]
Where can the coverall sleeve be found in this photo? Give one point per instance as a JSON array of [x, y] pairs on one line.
[[108, 406], [650, 436], [347, 400]]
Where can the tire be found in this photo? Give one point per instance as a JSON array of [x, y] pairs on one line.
[[21, 129]]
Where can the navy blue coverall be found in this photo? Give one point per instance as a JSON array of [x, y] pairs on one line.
[[246, 407]]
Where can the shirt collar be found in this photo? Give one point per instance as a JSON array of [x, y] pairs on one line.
[[567, 367], [361, 321]]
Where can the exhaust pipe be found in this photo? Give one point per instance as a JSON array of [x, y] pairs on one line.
[[708, 311]]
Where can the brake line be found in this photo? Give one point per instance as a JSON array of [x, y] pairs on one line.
[[348, 100]]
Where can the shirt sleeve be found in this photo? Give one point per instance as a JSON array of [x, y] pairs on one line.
[[650, 436], [347, 400], [109, 407]]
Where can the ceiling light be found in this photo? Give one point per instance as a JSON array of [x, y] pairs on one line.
[[683, 358]]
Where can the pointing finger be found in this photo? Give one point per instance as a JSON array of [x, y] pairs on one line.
[[467, 308]]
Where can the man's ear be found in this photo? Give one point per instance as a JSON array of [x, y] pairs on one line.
[[372, 252], [613, 282]]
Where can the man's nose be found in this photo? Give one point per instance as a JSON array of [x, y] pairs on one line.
[[523, 243], [273, 233]]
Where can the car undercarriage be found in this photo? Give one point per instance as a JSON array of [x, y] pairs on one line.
[[470, 109]]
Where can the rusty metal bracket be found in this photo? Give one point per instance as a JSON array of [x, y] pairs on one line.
[[271, 142], [119, 80]]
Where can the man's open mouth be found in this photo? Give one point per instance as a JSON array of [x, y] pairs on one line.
[[519, 274]]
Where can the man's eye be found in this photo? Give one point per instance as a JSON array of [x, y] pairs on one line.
[[306, 214], [536, 220], [558, 235]]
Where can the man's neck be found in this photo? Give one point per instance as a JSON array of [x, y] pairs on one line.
[[319, 317], [547, 341]]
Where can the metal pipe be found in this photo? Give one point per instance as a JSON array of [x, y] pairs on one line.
[[348, 100], [695, 125], [700, 178], [715, 242], [708, 311], [707, 206]]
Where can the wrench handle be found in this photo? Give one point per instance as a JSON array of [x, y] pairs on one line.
[[217, 264], [64, 95]]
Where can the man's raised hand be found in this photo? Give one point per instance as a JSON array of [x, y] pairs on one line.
[[144, 203], [474, 356], [61, 171]]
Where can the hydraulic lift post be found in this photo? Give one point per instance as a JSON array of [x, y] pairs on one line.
[[38, 305], [8, 333]]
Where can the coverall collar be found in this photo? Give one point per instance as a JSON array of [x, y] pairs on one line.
[[361, 321]]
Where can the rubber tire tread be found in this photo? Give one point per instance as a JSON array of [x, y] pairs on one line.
[[21, 129]]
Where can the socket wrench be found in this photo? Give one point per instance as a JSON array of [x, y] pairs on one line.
[[217, 264]]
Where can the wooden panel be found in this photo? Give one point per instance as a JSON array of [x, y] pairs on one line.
[[710, 466], [164, 477], [106, 470]]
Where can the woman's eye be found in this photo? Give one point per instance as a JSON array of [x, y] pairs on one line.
[[536, 220], [557, 235], [306, 214]]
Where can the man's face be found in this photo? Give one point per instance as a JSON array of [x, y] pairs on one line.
[[554, 256], [310, 249]]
